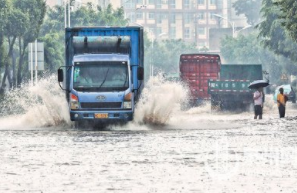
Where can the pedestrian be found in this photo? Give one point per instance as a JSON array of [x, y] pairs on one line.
[[281, 103], [258, 102]]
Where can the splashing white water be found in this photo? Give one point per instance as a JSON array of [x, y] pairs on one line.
[[158, 100], [45, 105], [42, 105]]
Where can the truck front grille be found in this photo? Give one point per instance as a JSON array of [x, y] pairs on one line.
[[101, 105]]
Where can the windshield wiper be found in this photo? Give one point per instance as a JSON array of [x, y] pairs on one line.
[[125, 80], [104, 78]]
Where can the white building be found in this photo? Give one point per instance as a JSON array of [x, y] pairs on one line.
[[190, 20]]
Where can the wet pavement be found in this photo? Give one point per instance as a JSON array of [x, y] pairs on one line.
[[163, 150], [196, 151]]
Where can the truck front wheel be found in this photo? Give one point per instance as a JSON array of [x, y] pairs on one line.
[[215, 104]]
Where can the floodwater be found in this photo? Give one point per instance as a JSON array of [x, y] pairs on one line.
[[164, 150]]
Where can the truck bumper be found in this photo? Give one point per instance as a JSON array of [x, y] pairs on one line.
[[125, 115]]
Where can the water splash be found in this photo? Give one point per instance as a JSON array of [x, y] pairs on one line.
[[43, 105], [159, 99]]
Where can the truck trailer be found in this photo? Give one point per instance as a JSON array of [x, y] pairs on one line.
[[230, 91], [103, 74], [195, 71]]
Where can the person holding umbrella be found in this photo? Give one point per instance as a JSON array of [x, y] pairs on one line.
[[258, 96], [258, 102], [281, 103]]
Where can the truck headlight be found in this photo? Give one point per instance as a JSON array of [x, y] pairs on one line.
[[127, 105], [73, 101], [128, 97], [128, 101]]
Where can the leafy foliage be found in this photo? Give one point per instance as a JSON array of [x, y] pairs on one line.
[[248, 50], [288, 16], [272, 34], [4, 10], [34, 10], [164, 55], [22, 25], [52, 51], [249, 8], [52, 31]]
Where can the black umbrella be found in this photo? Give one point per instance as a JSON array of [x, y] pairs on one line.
[[258, 84]]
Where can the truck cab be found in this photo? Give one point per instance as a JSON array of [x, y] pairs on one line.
[[101, 87]]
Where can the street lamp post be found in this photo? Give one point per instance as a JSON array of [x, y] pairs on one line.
[[67, 14], [246, 27], [231, 23]]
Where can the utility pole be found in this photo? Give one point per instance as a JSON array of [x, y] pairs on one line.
[[69, 13], [35, 62], [196, 30]]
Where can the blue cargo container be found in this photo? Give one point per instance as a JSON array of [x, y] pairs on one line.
[[103, 74]]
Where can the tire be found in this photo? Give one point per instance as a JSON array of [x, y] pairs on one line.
[[83, 124], [215, 105]]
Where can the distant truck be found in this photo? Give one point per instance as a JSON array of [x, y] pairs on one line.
[[230, 91], [195, 71], [103, 75]]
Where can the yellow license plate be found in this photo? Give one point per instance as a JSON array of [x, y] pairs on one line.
[[101, 115]]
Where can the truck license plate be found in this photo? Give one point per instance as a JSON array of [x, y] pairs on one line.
[[101, 115]]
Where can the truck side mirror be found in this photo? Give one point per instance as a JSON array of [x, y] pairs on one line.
[[140, 73], [60, 75]]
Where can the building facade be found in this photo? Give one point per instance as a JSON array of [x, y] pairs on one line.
[[190, 20]]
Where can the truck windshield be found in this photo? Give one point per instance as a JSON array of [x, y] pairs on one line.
[[101, 76]]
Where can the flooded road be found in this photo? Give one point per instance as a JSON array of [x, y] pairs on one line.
[[191, 151]]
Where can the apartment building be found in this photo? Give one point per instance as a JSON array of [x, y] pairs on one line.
[[190, 20]]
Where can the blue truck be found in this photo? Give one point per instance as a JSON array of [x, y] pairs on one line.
[[103, 75]]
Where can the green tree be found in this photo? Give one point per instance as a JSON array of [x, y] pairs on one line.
[[22, 26], [36, 10], [272, 34], [164, 55], [241, 50], [249, 8], [289, 16], [16, 25], [54, 20], [248, 50], [52, 30], [4, 11], [52, 51]]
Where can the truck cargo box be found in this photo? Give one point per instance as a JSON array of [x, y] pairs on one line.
[[196, 70], [230, 91]]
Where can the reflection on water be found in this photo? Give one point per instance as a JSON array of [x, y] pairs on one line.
[[255, 156]]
